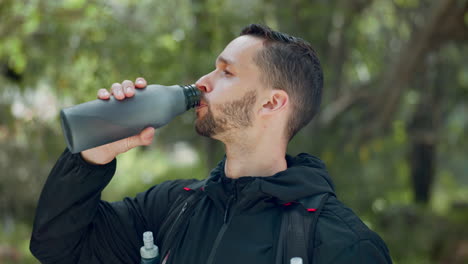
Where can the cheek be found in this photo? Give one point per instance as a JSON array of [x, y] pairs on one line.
[[218, 96], [214, 109], [223, 94]]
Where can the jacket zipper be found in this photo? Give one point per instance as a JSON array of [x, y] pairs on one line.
[[227, 220], [178, 216], [184, 207]]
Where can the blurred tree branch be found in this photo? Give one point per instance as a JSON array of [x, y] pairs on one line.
[[446, 19], [444, 24], [338, 53]]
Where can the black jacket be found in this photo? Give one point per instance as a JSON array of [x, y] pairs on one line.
[[236, 221]]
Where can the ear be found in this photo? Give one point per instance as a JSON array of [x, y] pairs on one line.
[[276, 101]]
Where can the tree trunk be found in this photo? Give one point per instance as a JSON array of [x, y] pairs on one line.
[[423, 130], [422, 159]]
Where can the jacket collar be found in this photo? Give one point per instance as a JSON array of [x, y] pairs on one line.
[[305, 176]]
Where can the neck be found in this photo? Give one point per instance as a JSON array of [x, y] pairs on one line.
[[258, 157]]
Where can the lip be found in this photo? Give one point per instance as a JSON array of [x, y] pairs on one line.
[[201, 106]]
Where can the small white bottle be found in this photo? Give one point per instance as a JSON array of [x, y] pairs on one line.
[[149, 252], [296, 260]]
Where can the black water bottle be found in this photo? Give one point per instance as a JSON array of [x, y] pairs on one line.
[[99, 122]]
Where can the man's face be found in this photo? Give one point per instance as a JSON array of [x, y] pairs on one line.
[[230, 92]]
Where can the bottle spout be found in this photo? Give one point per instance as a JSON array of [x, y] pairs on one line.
[[296, 260], [149, 250], [192, 95]]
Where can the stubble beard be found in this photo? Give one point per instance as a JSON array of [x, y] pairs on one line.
[[234, 115]]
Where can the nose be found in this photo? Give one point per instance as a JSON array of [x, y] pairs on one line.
[[204, 84]]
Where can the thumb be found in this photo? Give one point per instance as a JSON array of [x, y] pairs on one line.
[[144, 138]]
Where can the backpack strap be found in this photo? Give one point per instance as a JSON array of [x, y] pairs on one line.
[[170, 230], [313, 227], [298, 228]]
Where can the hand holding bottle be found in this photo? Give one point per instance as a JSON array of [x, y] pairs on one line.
[[106, 153]]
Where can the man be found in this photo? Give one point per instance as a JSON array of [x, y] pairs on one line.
[[265, 87]]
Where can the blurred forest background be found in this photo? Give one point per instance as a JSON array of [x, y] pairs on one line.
[[392, 129]]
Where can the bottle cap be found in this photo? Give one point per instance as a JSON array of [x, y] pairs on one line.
[[192, 95]]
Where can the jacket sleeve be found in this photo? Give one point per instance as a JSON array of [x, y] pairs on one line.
[[363, 252], [73, 225]]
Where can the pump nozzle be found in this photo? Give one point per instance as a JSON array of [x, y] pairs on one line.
[[149, 251], [296, 260]]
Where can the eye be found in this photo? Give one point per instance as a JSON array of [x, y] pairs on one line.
[[226, 72]]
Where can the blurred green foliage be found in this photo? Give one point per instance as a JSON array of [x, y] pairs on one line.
[[394, 116]]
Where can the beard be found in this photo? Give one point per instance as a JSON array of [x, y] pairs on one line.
[[234, 115]]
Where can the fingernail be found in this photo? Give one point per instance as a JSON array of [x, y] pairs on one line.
[[139, 81], [128, 89], [119, 93]]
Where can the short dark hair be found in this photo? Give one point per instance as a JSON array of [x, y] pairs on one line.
[[290, 64]]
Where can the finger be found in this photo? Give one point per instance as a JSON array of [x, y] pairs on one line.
[[143, 139], [128, 88], [147, 135], [140, 82], [117, 91], [103, 94]]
